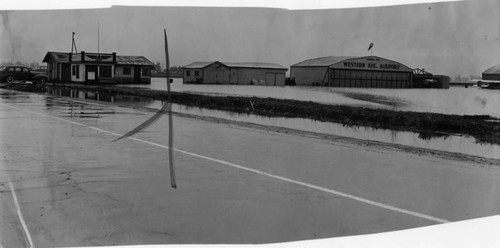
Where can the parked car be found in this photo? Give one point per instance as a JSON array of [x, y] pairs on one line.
[[9, 74]]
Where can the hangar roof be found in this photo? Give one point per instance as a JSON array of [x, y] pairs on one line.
[[324, 61], [493, 70], [200, 65], [360, 63]]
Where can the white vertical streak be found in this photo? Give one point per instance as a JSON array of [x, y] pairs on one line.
[[20, 215]]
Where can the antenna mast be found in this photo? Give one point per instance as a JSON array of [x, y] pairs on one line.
[[73, 44], [98, 53]]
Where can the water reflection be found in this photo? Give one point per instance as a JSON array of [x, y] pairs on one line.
[[451, 143], [99, 96]]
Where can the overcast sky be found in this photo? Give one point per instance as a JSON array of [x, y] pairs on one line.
[[444, 38]]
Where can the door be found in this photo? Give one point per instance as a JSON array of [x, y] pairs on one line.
[[65, 72], [91, 74], [270, 78], [137, 74], [233, 76], [26, 74]]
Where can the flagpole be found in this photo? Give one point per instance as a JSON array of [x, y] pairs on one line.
[[97, 40], [170, 122]]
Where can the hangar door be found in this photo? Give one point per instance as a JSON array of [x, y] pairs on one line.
[[275, 79], [369, 79]]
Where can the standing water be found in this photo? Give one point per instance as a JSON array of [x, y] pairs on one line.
[[456, 100], [452, 143]]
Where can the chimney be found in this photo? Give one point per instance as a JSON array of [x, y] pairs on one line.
[[114, 57], [70, 57], [83, 56]]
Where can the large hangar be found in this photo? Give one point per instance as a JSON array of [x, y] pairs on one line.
[[340, 71], [493, 73]]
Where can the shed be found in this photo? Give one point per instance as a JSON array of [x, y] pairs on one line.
[[244, 73]]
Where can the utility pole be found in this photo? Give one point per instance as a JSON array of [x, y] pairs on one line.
[[98, 56]]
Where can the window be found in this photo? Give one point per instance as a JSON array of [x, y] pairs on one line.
[[73, 70], [196, 73], [26, 70], [146, 72], [77, 71], [126, 71], [188, 73], [18, 69], [105, 71]]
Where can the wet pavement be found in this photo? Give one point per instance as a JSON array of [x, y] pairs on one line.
[[77, 187]]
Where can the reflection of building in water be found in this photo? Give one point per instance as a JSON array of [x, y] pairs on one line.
[[234, 73], [97, 68], [137, 101], [339, 71]]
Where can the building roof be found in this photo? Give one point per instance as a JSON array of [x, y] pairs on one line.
[[92, 57], [255, 65], [324, 61], [200, 65], [133, 60], [60, 57], [493, 70]]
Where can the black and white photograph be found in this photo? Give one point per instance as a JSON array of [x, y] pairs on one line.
[[279, 124]]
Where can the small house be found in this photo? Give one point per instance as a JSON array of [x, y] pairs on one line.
[[97, 68]]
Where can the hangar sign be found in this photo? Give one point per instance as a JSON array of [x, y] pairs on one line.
[[371, 63]]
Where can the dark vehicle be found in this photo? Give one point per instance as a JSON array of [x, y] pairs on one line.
[[9, 74]]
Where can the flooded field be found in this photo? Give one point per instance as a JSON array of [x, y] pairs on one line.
[[459, 144], [456, 100]]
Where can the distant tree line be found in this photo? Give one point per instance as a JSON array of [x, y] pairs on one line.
[[32, 65], [459, 78], [160, 67]]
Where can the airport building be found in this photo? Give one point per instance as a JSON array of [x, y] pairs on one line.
[[97, 68], [493, 73], [234, 73], [340, 71]]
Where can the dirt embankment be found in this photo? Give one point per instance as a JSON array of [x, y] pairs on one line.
[[483, 127]]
